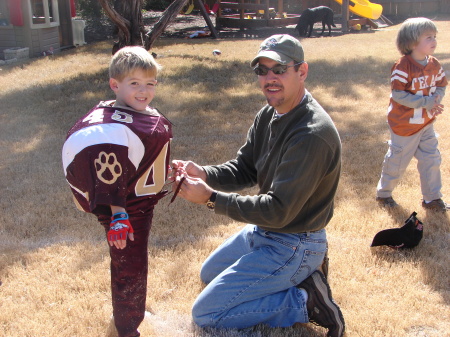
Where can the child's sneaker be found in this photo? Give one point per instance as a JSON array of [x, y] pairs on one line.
[[436, 205], [386, 202]]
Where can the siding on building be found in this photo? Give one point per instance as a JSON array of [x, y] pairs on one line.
[[43, 39], [10, 37], [37, 38]]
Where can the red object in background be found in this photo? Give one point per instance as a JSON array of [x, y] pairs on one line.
[[15, 12], [73, 10]]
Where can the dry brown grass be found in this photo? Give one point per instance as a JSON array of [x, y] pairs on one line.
[[54, 263]]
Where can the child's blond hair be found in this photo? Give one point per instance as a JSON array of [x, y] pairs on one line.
[[410, 32], [130, 58]]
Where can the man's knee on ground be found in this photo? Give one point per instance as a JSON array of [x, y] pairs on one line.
[[206, 276], [200, 317]]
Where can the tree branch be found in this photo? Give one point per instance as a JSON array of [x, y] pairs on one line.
[[122, 24], [169, 15]]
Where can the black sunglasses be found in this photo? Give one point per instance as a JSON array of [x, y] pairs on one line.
[[277, 70]]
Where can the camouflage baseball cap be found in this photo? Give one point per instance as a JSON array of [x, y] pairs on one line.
[[282, 48]]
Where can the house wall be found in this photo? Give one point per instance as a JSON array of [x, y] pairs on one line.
[[40, 40], [7, 37], [10, 37], [37, 40]]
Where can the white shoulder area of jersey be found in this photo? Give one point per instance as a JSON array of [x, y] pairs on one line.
[[149, 111], [110, 104], [113, 133], [399, 75], [441, 74], [153, 112], [106, 104]]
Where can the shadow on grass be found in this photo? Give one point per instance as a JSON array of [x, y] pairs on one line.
[[54, 109], [62, 104]]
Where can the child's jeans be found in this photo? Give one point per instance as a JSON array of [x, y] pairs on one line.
[[424, 147]]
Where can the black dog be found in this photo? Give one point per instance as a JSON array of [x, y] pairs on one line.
[[310, 16]]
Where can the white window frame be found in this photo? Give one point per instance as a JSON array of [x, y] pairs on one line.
[[47, 23]]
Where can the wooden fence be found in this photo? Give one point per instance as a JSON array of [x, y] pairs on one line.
[[401, 8]]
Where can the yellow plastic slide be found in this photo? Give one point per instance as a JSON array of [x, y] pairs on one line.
[[190, 9], [364, 8]]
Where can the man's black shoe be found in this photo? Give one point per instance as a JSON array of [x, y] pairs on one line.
[[322, 310]]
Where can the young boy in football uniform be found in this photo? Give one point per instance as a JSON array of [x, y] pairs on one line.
[[116, 160], [418, 85]]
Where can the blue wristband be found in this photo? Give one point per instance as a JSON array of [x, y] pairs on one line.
[[119, 216]]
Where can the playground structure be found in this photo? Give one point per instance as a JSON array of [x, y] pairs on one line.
[[254, 14], [364, 8], [258, 13]]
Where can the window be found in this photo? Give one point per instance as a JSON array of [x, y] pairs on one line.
[[4, 14], [44, 13]]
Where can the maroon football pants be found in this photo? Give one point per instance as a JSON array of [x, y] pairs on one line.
[[129, 269]]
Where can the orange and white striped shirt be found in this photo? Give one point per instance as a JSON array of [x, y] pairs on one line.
[[421, 80]]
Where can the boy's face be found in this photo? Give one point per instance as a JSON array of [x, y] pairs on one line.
[[425, 46], [136, 90]]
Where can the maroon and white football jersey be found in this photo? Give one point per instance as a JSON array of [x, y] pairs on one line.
[[117, 156]]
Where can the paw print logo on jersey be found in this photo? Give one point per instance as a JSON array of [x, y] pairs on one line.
[[107, 167]]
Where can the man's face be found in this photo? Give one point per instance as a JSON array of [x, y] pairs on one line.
[[283, 91]]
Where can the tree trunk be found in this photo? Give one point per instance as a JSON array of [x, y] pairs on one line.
[[132, 10], [124, 18], [127, 16], [169, 15]]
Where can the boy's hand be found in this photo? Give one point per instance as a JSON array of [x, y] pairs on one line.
[[437, 108], [120, 229]]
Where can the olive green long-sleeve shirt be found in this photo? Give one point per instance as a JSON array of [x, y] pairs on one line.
[[295, 159]]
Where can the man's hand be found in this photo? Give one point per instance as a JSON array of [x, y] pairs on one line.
[[192, 189], [120, 229], [181, 168]]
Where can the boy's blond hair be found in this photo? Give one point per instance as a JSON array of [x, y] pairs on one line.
[[410, 32], [130, 58]]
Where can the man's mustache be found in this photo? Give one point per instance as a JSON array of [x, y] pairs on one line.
[[275, 86]]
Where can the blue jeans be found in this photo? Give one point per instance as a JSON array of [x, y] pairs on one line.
[[251, 279]]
